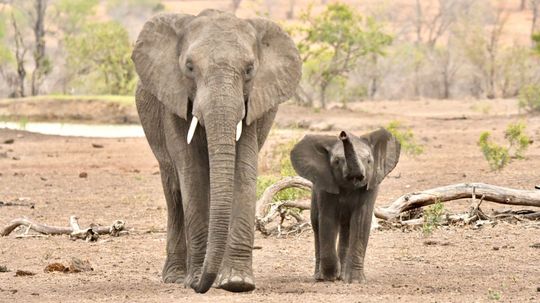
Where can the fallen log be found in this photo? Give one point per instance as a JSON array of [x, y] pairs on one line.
[[491, 193], [74, 231], [262, 205]]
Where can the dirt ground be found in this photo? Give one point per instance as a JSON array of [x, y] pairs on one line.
[[473, 265]]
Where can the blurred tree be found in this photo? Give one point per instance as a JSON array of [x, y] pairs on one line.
[[331, 44], [235, 4], [6, 57], [132, 13], [42, 64], [71, 15], [101, 54], [20, 51]]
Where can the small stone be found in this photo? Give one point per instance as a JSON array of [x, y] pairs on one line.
[[3, 268], [16, 158], [43, 178], [97, 145], [83, 174], [535, 245], [78, 265], [9, 141], [495, 248], [55, 267], [21, 273]]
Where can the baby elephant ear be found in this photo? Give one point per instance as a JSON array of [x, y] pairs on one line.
[[311, 159], [386, 149], [156, 54], [279, 71]]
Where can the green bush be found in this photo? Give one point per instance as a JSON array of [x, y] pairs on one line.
[[405, 137], [283, 162], [496, 155], [517, 138], [433, 216], [499, 156], [529, 98]]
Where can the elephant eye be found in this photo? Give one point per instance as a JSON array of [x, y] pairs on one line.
[[249, 71], [189, 66]]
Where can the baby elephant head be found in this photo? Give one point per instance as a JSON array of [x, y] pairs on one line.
[[346, 162]]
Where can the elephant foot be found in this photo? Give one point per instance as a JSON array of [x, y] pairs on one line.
[[173, 272], [328, 272], [235, 280], [356, 276]]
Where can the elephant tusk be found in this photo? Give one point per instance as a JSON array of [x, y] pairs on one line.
[[192, 128], [238, 130]]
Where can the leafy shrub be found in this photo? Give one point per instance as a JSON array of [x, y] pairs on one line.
[[518, 140], [283, 162], [496, 155], [405, 137], [499, 156], [529, 98], [433, 216]]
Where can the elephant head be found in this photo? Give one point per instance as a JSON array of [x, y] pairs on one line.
[[346, 162], [223, 73]]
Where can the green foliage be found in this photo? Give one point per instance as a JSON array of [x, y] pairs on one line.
[[433, 216], [5, 54], [285, 168], [494, 295], [499, 156], [101, 54], [72, 15], [536, 39], [405, 136], [331, 44], [496, 155], [529, 98], [517, 138]]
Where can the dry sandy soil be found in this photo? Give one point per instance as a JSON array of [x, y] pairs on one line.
[[476, 265]]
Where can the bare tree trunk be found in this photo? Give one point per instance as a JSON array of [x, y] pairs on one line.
[[39, 52], [534, 7], [290, 12], [418, 25], [323, 95], [20, 53], [235, 4]]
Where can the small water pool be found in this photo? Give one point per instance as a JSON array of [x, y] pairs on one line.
[[78, 130]]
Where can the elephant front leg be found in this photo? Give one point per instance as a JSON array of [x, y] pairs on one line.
[[360, 227], [236, 272], [174, 270]]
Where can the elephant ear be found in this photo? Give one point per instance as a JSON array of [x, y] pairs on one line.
[[311, 159], [156, 54], [279, 71], [386, 149]]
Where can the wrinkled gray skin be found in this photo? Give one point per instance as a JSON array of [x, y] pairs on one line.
[[346, 172], [221, 70]]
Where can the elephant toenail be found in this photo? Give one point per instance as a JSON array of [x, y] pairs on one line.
[[235, 279], [249, 280]]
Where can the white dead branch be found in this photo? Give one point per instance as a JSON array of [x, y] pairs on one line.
[[268, 210], [74, 231], [491, 193]]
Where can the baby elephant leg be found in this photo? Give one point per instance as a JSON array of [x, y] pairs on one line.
[[360, 227], [328, 228]]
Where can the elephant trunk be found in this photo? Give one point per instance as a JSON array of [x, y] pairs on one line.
[[354, 167], [221, 127]]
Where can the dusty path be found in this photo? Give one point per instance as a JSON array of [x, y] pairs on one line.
[[468, 265]]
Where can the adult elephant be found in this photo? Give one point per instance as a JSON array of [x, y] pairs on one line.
[[209, 90]]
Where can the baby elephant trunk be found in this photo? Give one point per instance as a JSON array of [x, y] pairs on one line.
[[355, 169]]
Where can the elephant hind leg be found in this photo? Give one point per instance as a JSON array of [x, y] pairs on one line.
[[174, 270]]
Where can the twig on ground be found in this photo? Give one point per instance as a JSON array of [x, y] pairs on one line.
[[74, 231]]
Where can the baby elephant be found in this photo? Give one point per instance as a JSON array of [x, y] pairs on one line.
[[346, 173]]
